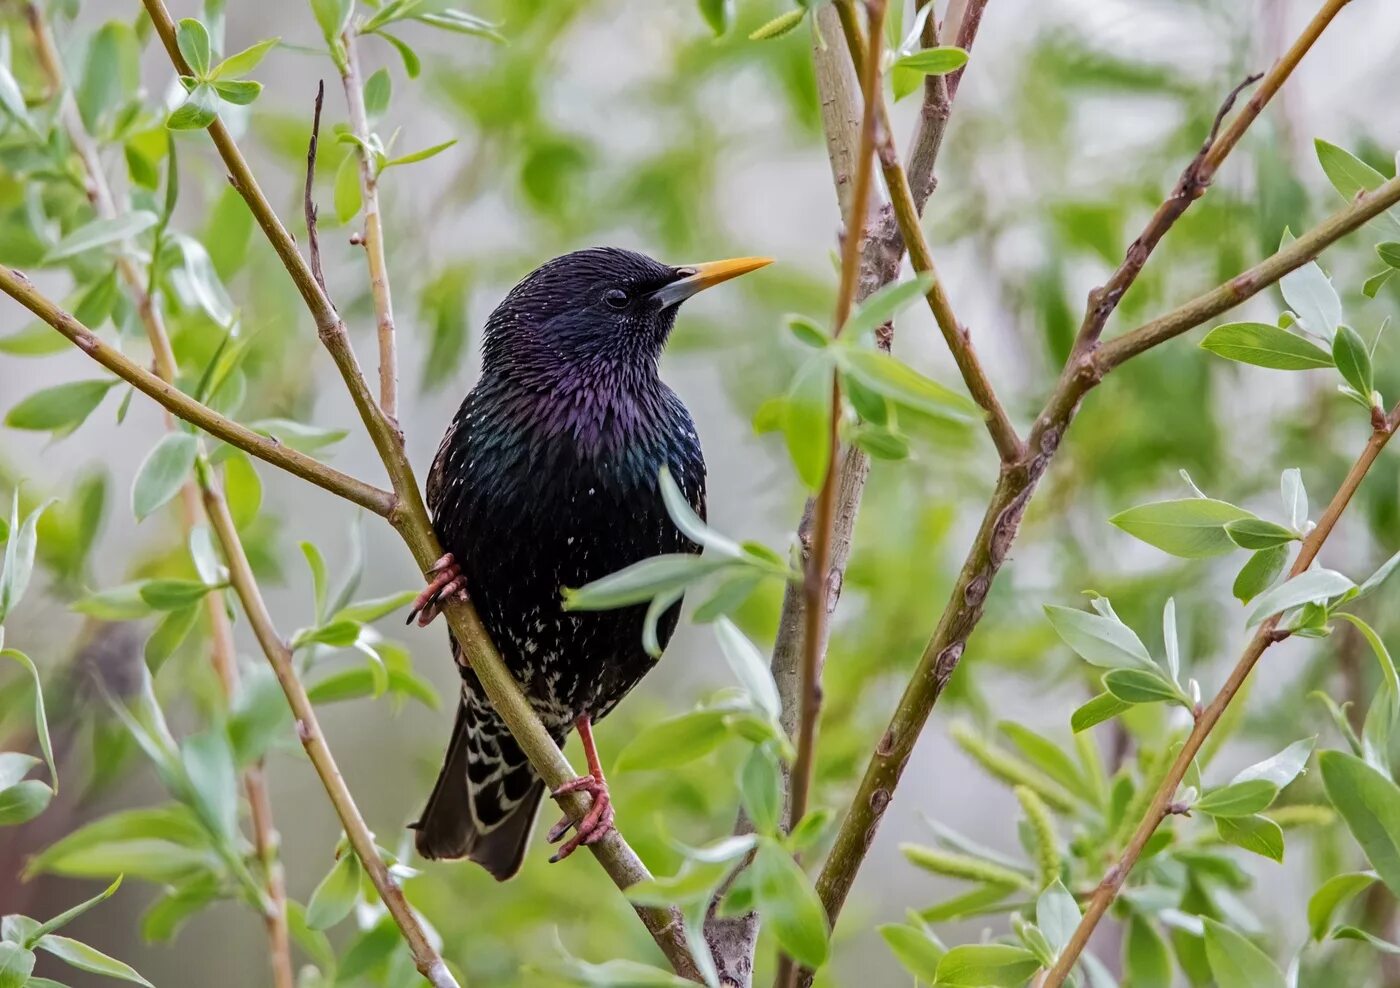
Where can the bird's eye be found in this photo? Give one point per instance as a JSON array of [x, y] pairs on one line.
[[616, 298]]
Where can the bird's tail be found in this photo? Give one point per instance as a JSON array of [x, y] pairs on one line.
[[484, 804]]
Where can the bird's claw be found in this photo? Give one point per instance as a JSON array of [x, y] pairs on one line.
[[445, 582], [596, 823]]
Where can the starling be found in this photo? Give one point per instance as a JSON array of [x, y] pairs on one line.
[[548, 477]]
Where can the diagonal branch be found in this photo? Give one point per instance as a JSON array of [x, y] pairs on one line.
[[1268, 633], [409, 517], [182, 406]]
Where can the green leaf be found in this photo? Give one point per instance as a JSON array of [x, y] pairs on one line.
[[806, 420], [1146, 960], [208, 762], [779, 25], [193, 40], [761, 789], [673, 742], [172, 595], [1140, 686], [12, 99], [806, 332], [1369, 802], [1238, 798], [1098, 640], [336, 895], [111, 73], [462, 23], [719, 14], [332, 16], [1280, 769], [59, 409], [41, 718], [986, 965], [1259, 573], [749, 667], [886, 303], [880, 443], [1350, 175], [1256, 533], [1376, 282], [917, 950], [1057, 915], [1353, 360], [973, 903], [163, 473], [789, 905], [1372, 582], [901, 384], [239, 65], [199, 110], [1103, 707], [20, 546], [411, 64], [1315, 585], [423, 155], [1309, 293], [378, 89], [1237, 963], [35, 340], [641, 581], [239, 92], [346, 195], [16, 964], [365, 611], [1253, 833], [299, 435], [173, 629], [123, 603], [934, 61], [67, 916], [158, 843], [14, 766], [85, 958], [23, 801], [1331, 895], [1389, 252], [1265, 345], [1192, 528], [1049, 757], [1352, 933]]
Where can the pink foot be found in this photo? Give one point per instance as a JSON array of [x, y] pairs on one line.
[[445, 583], [595, 825]]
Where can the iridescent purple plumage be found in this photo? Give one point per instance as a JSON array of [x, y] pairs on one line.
[[547, 478]]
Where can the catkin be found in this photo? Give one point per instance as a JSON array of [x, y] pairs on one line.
[[1047, 845]]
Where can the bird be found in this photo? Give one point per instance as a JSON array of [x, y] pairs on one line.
[[549, 477]]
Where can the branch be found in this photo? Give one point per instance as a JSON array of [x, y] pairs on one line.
[[410, 519], [1002, 518], [425, 957], [1267, 634], [180, 404], [373, 238], [906, 212], [1198, 175]]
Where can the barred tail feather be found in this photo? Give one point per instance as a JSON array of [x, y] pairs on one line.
[[487, 796]]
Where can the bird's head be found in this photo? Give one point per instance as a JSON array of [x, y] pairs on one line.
[[601, 303]]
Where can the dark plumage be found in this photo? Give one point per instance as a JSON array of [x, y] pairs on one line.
[[547, 478]]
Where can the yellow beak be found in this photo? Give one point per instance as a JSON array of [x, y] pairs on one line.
[[697, 277]]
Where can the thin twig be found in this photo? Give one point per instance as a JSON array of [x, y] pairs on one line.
[[1267, 635], [1007, 506], [309, 208], [409, 517], [373, 237], [279, 656]]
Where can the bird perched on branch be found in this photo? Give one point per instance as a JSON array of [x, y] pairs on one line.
[[548, 478]]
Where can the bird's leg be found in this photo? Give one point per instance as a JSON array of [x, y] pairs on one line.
[[445, 582], [598, 821]]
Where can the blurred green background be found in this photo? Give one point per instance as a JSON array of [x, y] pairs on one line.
[[625, 122]]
